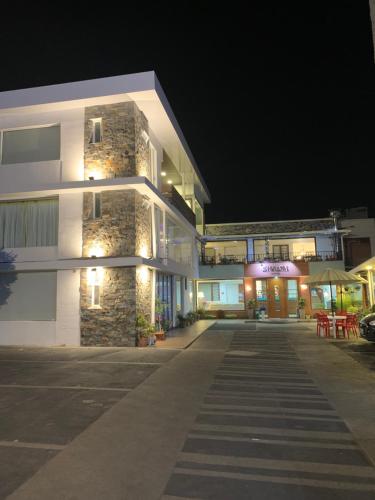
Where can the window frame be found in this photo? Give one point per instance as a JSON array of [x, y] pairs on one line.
[[94, 121], [30, 127]]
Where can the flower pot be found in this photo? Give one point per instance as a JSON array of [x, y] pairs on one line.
[[251, 313], [160, 335], [301, 313], [142, 341]]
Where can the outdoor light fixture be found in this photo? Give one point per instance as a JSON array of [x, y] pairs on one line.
[[248, 288], [368, 268], [163, 174], [169, 181], [303, 286], [96, 251]]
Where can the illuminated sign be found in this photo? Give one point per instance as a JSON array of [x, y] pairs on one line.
[[271, 269]]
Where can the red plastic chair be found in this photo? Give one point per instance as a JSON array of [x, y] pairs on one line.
[[324, 324], [352, 325]]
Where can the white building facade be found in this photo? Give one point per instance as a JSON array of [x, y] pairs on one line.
[[101, 209]]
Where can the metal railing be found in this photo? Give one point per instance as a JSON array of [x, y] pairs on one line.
[[263, 257]]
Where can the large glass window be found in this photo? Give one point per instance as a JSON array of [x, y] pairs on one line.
[[261, 290], [28, 296], [321, 296], [164, 296], [223, 294], [159, 232], [179, 243], [30, 145], [29, 223]]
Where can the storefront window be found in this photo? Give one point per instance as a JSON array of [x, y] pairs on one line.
[[261, 290], [321, 296], [224, 294]]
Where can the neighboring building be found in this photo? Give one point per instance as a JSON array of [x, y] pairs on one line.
[[101, 206], [269, 261]]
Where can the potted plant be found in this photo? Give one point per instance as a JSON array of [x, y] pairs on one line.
[[251, 304], [181, 321], [160, 322], [145, 331], [201, 313], [301, 308]]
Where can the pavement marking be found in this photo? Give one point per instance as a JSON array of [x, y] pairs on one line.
[[269, 396], [23, 444], [291, 465], [38, 361], [301, 444], [275, 432], [277, 479], [75, 387], [270, 409], [270, 415]]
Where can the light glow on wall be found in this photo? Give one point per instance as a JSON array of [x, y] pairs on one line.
[[143, 273], [304, 286], [96, 250], [144, 251], [248, 288]]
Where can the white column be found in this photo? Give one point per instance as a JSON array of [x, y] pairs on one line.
[[68, 308]]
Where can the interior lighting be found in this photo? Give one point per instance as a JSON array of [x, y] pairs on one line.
[[169, 181], [304, 286], [163, 174]]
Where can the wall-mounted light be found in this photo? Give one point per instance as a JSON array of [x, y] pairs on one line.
[[248, 288], [143, 273], [304, 286]]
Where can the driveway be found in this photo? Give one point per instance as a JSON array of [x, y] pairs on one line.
[[50, 395]]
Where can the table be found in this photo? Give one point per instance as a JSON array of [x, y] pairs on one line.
[[333, 319]]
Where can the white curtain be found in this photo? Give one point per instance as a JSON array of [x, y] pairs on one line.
[[28, 223]]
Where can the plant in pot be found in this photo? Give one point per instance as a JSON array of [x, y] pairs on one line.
[[160, 322], [301, 308], [251, 304], [181, 321], [201, 312], [145, 331]]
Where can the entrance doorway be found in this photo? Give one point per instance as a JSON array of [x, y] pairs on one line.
[[279, 296]]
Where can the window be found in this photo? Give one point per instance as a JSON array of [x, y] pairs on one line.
[[96, 131], [321, 296], [153, 165], [261, 290], [97, 205], [94, 278], [29, 223], [223, 294], [30, 145], [28, 296]]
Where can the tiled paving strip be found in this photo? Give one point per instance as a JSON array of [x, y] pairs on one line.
[[266, 431]]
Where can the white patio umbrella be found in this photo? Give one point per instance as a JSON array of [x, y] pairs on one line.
[[333, 277]]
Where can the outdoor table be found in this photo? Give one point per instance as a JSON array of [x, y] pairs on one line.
[[333, 319]]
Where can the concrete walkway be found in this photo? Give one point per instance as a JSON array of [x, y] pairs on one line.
[[181, 338], [272, 413]]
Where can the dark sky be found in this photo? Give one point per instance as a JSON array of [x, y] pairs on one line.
[[276, 100]]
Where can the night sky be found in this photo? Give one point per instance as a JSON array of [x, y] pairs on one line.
[[276, 102]]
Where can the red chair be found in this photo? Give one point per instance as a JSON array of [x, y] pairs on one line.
[[352, 325], [341, 324], [324, 324]]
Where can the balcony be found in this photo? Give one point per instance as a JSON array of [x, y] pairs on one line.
[[251, 258], [174, 197]]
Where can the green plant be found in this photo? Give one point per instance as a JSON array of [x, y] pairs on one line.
[[201, 312], [143, 326], [191, 317], [251, 303], [181, 320], [301, 302]]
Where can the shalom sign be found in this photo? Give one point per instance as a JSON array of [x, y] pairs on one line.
[[272, 269]]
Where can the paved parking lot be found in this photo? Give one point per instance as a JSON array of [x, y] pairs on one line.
[[361, 350], [49, 396]]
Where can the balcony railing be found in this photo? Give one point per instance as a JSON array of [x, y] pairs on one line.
[[174, 197], [262, 257]]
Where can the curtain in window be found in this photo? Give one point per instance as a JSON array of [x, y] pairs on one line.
[[28, 223]]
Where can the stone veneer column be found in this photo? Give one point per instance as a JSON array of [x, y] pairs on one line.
[[123, 230]]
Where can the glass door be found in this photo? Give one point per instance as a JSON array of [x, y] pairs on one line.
[[292, 298]]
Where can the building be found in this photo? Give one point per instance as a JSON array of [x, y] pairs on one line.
[[101, 210], [269, 261]]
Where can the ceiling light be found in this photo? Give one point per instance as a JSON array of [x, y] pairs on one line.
[[163, 174], [169, 181]]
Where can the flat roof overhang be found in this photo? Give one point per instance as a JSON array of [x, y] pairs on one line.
[[140, 184], [367, 265], [142, 88]]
